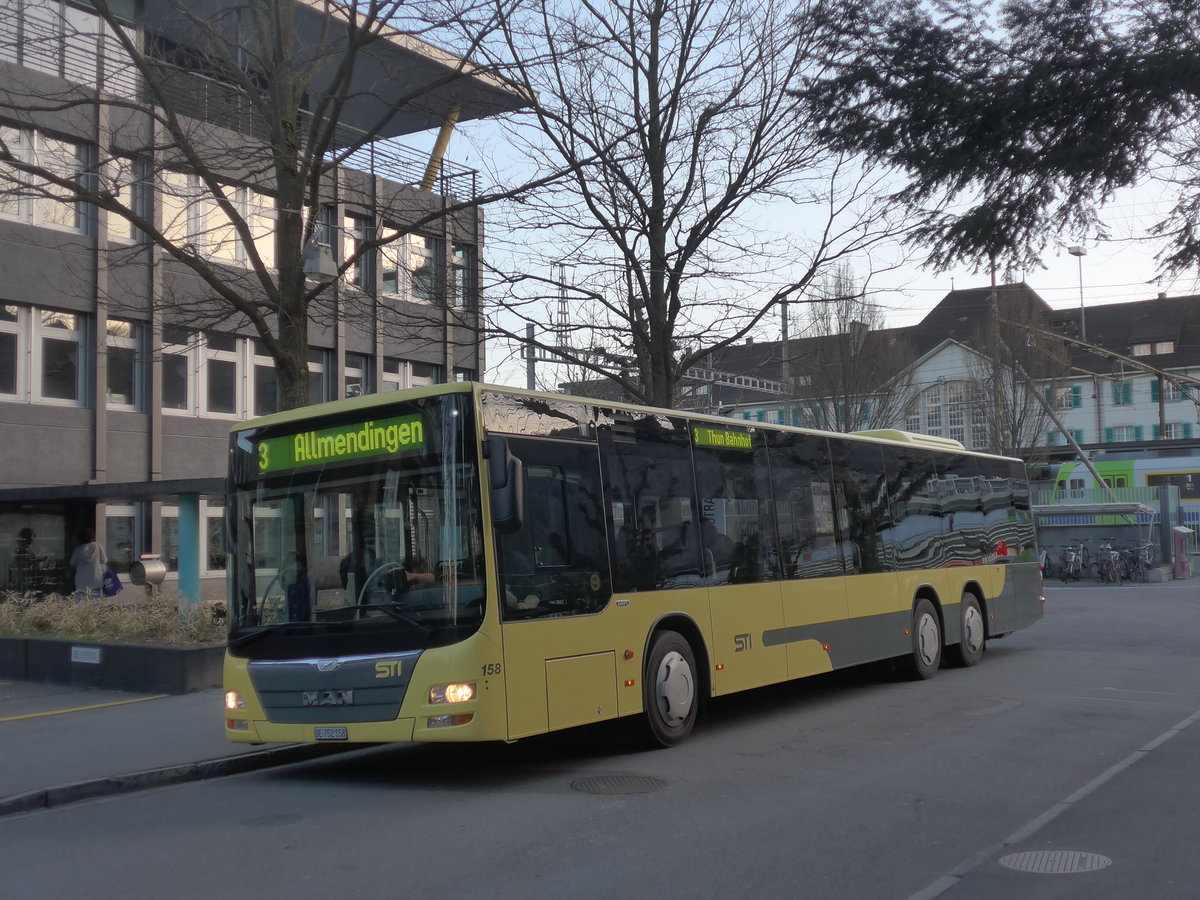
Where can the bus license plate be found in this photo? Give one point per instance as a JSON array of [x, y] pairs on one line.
[[331, 734]]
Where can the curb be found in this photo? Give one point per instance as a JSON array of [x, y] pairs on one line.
[[47, 798]]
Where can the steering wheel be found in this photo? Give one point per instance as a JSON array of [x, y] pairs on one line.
[[382, 572]]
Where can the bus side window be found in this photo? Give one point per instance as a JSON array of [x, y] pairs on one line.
[[654, 533], [803, 488]]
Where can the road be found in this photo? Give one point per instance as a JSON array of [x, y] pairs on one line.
[[1075, 734]]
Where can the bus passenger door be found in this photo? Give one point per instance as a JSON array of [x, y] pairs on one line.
[[813, 591], [559, 659]]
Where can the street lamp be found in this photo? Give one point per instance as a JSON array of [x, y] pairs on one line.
[[1078, 250]]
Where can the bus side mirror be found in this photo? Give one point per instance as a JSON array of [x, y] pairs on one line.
[[506, 476]]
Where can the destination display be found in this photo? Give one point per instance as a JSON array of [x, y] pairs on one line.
[[722, 437], [385, 437]]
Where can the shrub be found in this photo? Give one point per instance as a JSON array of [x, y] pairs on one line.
[[150, 620]]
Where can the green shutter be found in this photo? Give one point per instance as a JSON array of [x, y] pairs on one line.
[[1187, 430], [1155, 389], [1139, 433], [1076, 396], [1156, 433], [1078, 433], [1109, 436]]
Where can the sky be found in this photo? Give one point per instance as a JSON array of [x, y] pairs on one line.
[[1119, 269]]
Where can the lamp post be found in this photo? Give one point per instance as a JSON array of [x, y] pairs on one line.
[[1080, 252]]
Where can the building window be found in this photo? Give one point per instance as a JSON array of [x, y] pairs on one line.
[[933, 410], [422, 374], [122, 537], [318, 370], [265, 384], [912, 421], [1122, 393], [462, 272], [41, 355], [358, 374], [177, 366], [66, 41], [124, 364], [201, 373], [59, 338], [129, 182], [1175, 431], [357, 231], [192, 216], [221, 380], [31, 200], [424, 265], [1122, 433], [10, 369], [395, 374], [1152, 349], [212, 515]]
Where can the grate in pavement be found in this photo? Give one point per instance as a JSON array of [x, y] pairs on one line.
[[618, 784], [1055, 862]]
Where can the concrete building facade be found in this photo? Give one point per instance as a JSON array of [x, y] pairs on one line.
[[120, 371]]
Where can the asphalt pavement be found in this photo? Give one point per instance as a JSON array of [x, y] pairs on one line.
[[64, 745]]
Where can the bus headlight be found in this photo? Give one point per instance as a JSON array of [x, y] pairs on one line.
[[452, 693], [234, 700]]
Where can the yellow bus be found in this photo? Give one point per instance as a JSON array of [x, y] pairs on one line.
[[476, 563]]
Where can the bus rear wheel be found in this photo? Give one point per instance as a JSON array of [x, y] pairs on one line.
[[926, 641], [972, 633], [669, 691]]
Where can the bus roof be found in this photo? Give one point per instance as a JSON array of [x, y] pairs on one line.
[[369, 401]]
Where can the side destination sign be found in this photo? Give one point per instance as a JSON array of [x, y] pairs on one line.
[[312, 448], [722, 437]]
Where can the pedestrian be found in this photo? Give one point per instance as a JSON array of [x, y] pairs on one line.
[[89, 562]]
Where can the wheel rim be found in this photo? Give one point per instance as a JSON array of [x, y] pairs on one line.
[[928, 641], [973, 629], [674, 687]]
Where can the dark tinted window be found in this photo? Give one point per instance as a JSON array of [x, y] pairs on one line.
[[736, 529], [961, 489], [914, 539], [803, 487], [861, 502], [650, 503]]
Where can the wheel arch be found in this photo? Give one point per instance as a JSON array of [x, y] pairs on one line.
[[687, 627], [927, 592]]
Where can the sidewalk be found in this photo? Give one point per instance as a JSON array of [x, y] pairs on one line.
[[64, 744]]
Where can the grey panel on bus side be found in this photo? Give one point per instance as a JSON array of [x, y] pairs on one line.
[[352, 690], [852, 641]]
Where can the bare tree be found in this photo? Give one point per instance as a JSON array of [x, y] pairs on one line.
[[851, 373], [682, 136], [1015, 357], [238, 116]]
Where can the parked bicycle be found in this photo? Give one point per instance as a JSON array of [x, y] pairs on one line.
[[1139, 561], [1073, 564], [1110, 567], [1048, 564]]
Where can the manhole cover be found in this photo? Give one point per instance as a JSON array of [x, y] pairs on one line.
[[618, 784], [1055, 862]]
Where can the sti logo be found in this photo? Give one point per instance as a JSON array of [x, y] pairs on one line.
[[741, 642]]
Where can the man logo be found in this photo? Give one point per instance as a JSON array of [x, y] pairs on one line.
[[328, 665], [327, 698], [741, 642]]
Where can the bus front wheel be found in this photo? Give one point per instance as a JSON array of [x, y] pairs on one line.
[[926, 640], [669, 691]]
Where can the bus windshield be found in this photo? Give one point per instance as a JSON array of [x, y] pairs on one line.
[[356, 534]]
